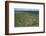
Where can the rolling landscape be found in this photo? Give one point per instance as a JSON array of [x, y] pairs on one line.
[[26, 17]]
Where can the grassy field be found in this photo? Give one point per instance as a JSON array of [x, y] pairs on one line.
[[26, 19]]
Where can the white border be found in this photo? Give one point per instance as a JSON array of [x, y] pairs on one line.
[[12, 29]]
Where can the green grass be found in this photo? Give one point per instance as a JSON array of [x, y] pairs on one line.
[[26, 20]]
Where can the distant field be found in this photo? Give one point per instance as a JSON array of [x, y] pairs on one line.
[[26, 19]]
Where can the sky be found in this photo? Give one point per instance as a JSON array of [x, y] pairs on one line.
[[25, 9]]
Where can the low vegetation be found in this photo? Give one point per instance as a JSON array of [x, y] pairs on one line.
[[26, 19]]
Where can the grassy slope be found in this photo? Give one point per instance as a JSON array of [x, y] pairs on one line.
[[26, 20]]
